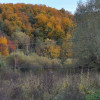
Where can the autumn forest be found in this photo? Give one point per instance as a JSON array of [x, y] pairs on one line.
[[49, 54]]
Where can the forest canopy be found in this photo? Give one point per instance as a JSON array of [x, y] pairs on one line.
[[38, 23]]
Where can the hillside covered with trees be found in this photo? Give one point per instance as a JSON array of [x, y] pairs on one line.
[[35, 24], [50, 54]]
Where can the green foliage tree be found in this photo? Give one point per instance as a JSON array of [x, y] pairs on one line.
[[22, 40], [87, 42]]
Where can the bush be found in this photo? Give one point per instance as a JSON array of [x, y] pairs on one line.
[[93, 96], [3, 64], [32, 61]]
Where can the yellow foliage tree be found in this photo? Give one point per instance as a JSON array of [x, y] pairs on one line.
[[41, 19], [54, 51], [49, 48], [3, 46], [3, 40]]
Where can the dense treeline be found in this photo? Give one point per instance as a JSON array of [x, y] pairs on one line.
[[37, 23], [50, 23]]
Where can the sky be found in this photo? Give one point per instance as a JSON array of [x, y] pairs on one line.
[[69, 5]]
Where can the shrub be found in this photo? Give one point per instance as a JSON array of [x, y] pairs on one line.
[[3, 64], [93, 96], [32, 61]]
